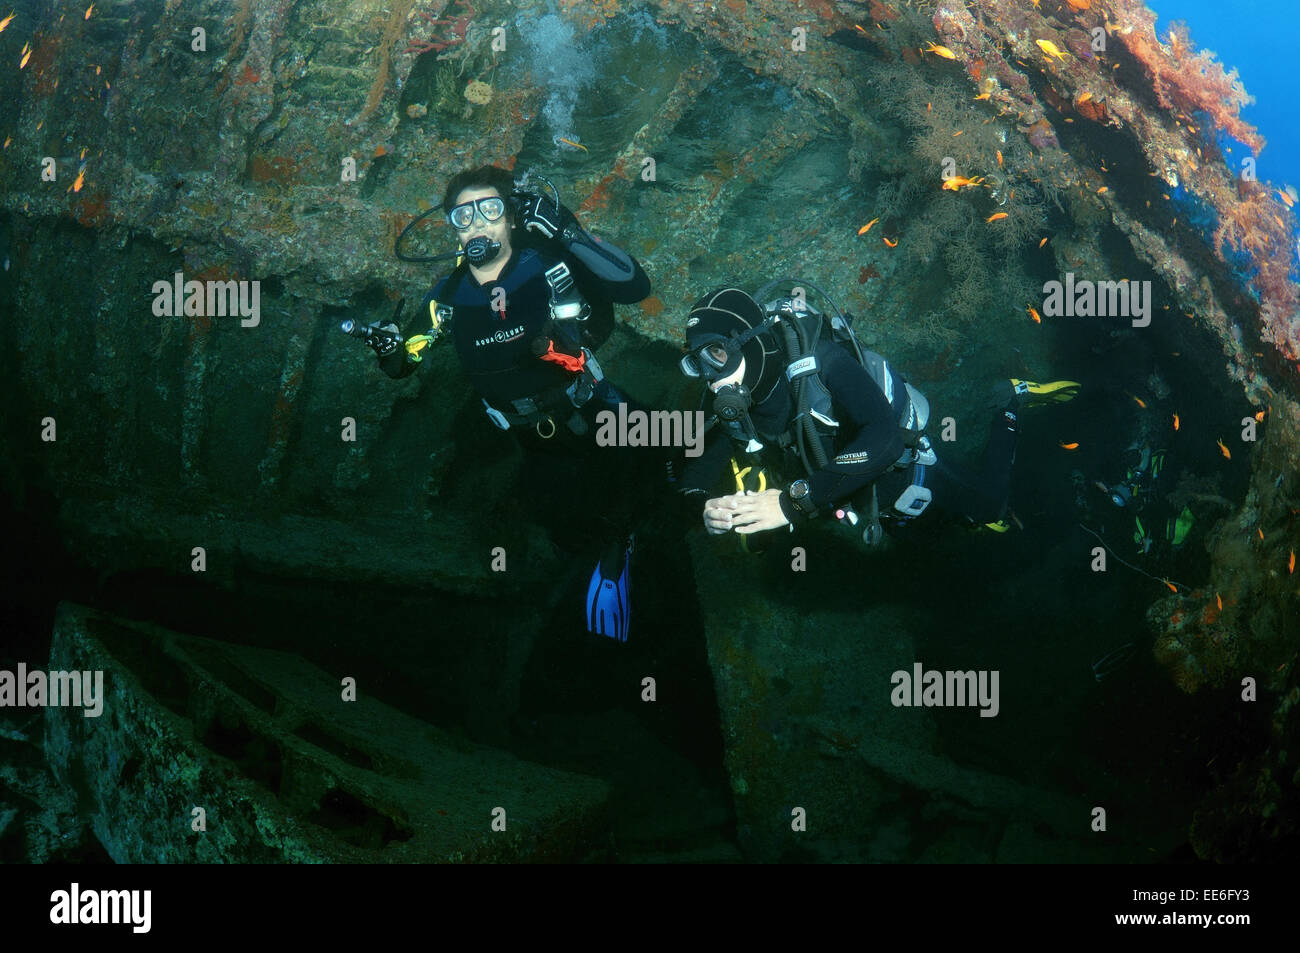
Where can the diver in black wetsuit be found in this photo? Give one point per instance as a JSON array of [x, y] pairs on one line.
[[532, 299], [872, 460], [525, 308]]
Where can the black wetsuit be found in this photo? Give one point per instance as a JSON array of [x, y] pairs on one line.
[[863, 450], [496, 348], [976, 498], [565, 470]]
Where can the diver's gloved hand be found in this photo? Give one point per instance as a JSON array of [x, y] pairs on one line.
[[541, 215], [387, 342]]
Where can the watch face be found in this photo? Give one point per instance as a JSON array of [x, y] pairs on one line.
[[798, 489]]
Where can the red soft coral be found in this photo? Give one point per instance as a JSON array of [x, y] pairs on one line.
[[1183, 78]]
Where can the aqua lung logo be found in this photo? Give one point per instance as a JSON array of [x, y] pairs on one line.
[[655, 428], [935, 689], [37, 689], [1101, 299], [213, 299], [501, 337]]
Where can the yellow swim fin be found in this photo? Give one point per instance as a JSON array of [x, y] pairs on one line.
[[1033, 394]]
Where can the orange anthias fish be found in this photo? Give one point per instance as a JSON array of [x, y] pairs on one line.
[[1033, 313], [80, 180], [1070, 446], [998, 153], [1259, 417], [1224, 450], [1050, 48], [1290, 563], [6, 21], [1172, 587], [1139, 401], [995, 217], [89, 10], [893, 244], [867, 227], [27, 55], [1218, 601], [937, 50], [1175, 421], [1042, 243], [960, 181]]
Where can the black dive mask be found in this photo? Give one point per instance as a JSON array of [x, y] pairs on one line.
[[481, 250], [712, 356], [712, 361], [732, 402]]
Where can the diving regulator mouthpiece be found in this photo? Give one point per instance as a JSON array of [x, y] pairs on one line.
[[481, 250], [732, 402]]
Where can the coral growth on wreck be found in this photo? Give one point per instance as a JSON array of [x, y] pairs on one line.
[[1029, 102]]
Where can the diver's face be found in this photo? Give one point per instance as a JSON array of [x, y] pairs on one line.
[[734, 378], [478, 225]]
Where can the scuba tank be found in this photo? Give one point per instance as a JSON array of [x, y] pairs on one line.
[[801, 327]]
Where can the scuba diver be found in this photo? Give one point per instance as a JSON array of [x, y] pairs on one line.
[[530, 298], [786, 377], [1162, 521]]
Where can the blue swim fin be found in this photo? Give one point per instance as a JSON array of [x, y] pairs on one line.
[[608, 611]]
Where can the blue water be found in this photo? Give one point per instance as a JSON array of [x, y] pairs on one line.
[[1256, 38]]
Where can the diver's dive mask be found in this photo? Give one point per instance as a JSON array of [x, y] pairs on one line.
[[714, 357], [489, 209], [710, 361]]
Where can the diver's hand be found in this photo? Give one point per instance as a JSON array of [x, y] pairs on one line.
[[541, 215], [756, 512], [748, 512], [718, 513], [384, 345]]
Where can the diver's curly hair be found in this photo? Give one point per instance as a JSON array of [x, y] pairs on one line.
[[485, 176]]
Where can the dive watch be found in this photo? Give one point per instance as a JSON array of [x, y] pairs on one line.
[[799, 499]]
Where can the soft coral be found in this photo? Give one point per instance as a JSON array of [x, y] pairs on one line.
[[1184, 79]]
